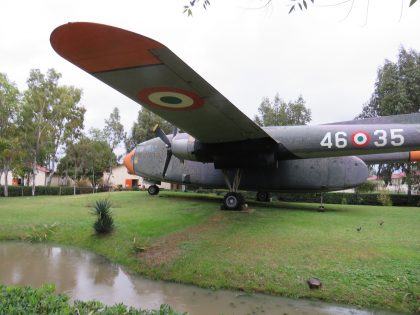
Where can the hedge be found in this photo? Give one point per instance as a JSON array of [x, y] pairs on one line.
[[331, 197], [18, 191], [350, 198]]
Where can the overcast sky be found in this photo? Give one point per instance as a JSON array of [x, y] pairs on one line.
[[245, 53]]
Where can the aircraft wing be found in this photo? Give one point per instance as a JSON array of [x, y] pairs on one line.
[[150, 74]]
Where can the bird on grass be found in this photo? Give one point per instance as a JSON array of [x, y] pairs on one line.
[[381, 223], [359, 229]]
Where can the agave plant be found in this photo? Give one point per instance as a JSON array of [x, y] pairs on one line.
[[104, 223]]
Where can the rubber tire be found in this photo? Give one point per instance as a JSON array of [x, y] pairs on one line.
[[233, 201], [153, 190], [263, 196]]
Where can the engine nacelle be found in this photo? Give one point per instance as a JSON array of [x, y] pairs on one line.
[[183, 147]]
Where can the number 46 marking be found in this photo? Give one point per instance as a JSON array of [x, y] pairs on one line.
[[340, 138]]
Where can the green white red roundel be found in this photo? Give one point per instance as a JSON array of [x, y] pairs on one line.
[[360, 139], [170, 98]]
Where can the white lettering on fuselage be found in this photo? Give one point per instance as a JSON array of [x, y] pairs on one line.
[[360, 139]]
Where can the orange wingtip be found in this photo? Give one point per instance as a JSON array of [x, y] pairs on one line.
[[414, 156], [97, 47]]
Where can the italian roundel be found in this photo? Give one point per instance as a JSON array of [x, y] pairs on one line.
[[360, 139], [170, 99]]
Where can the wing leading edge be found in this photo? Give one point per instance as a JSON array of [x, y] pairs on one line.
[[150, 74]]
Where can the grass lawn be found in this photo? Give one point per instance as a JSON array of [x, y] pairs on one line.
[[186, 238]]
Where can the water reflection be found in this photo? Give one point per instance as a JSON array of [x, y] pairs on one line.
[[87, 276]]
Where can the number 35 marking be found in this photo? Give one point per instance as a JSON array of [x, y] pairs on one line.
[[340, 138]]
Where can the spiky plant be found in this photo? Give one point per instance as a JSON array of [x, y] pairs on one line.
[[104, 223]]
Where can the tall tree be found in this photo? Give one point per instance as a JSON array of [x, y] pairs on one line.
[[9, 133], [142, 129], [279, 113], [51, 115], [114, 130], [36, 115], [397, 91], [66, 120], [113, 134]]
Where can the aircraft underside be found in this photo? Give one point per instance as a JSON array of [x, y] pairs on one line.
[[326, 174]]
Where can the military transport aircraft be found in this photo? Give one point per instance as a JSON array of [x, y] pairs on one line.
[[220, 146]]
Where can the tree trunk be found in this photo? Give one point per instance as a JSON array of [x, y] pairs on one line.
[[49, 178], [74, 181], [1, 174], [33, 175], [109, 175], [408, 176], [6, 184], [51, 171]]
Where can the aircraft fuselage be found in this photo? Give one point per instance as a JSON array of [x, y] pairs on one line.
[[316, 174]]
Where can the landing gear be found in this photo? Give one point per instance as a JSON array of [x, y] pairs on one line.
[[263, 196], [153, 190], [321, 207], [233, 200]]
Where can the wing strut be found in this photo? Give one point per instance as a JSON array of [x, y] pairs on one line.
[[233, 187]]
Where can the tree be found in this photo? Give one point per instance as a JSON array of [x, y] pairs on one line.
[[279, 113], [67, 119], [113, 134], [86, 159], [51, 116], [142, 129], [397, 91], [293, 4], [9, 132]]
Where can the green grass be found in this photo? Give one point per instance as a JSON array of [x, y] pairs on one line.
[[186, 238]]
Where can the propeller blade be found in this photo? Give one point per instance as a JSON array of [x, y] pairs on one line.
[[175, 132], [168, 159], [159, 133]]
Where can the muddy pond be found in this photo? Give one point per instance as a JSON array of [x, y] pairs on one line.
[[87, 276]]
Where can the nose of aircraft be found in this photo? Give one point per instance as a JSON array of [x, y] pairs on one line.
[[129, 162], [414, 156]]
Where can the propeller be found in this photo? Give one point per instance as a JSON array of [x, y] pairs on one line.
[[159, 133]]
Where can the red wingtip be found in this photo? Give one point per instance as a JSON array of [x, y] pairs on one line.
[[97, 47]]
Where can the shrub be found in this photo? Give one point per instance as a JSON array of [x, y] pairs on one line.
[[366, 187], [41, 233], [44, 301], [105, 222], [384, 199]]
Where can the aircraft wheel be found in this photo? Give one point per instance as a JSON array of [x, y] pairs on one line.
[[263, 196], [153, 190], [233, 201]]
